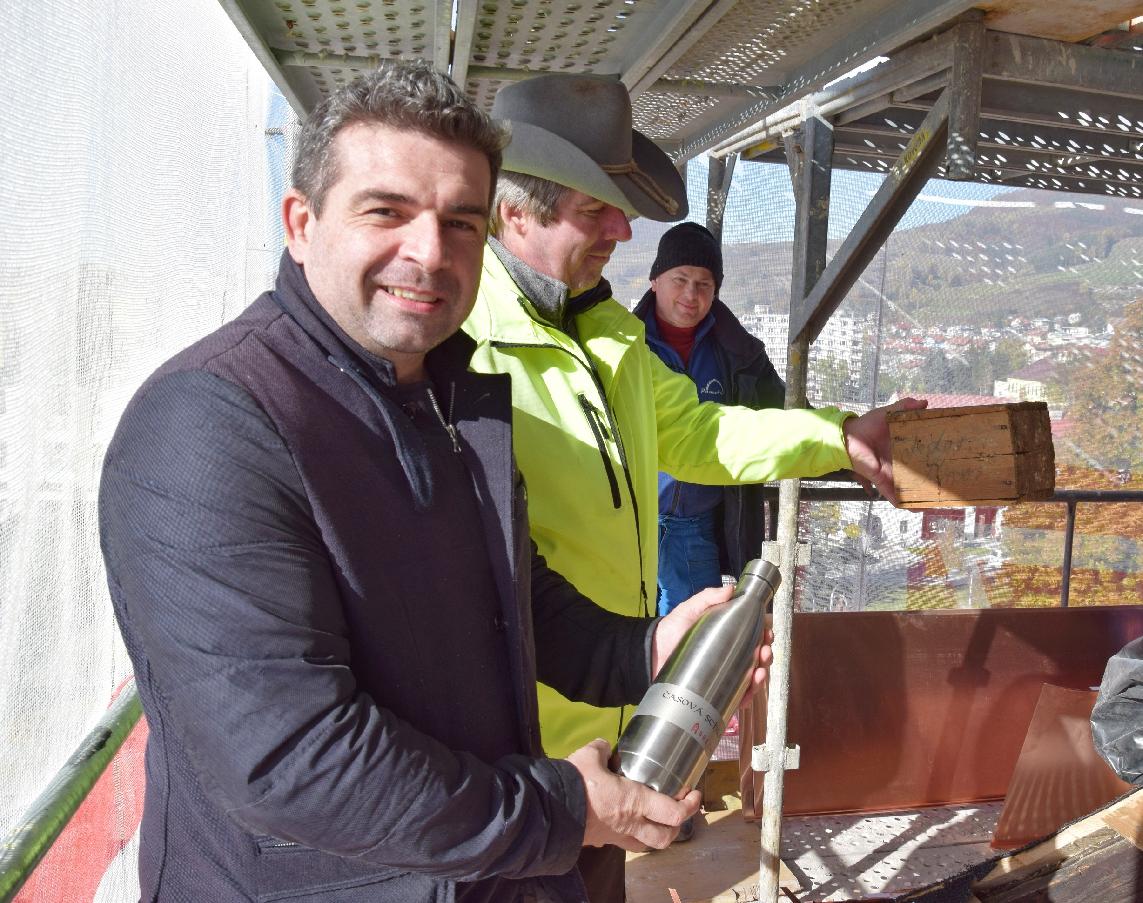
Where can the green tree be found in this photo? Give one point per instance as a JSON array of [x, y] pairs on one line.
[[933, 375], [832, 376], [1008, 357]]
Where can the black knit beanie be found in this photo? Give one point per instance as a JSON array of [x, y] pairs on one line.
[[689, 245]]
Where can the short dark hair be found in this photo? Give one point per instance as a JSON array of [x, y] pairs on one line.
[[411, 95]]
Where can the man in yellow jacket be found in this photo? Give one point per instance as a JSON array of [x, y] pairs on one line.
[[596, 414]]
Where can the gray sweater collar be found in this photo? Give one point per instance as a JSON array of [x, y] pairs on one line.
[[548, 296]]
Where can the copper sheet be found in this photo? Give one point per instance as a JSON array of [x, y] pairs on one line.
[[1059, 776], [902, 709]]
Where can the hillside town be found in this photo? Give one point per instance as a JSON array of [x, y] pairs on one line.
[[852, 355], [876, 556]]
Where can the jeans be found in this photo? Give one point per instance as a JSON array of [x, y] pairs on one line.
[[688, 558]]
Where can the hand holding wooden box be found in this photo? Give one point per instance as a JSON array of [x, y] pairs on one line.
[[979, 455]]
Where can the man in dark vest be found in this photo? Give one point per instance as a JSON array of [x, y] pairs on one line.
[[318, 552], [704, 531]]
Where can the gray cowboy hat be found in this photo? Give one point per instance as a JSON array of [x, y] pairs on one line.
[[575, 130]]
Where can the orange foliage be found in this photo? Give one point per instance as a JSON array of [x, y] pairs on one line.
[[1038, 586], [1092, 518]]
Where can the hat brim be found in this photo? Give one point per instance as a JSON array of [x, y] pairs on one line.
[[535, 151]]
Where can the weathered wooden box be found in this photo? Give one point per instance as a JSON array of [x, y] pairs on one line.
[[985, 454]]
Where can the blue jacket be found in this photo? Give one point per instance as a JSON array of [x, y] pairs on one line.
[[707, 371], [726, 352], [268, 519]]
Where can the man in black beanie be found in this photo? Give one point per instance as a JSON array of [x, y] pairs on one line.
[[704, 531]]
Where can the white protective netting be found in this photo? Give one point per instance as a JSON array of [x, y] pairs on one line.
[[142, 152], [980, 295]]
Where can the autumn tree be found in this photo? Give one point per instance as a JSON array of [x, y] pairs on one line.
[[1105, 406]]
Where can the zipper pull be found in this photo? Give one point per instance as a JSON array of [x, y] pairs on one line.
[[447, 424], [452, 435], [599, 418]]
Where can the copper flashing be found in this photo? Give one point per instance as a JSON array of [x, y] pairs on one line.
[[902, 709], [1059, 776]]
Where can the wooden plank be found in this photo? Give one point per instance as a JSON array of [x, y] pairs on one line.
[[1126, 817], [1031, 430], [1005, 478], [1099, 866], [943, 413], [954, 480], [719, 865], [1052, 851], [719, 781], [1070, 21]]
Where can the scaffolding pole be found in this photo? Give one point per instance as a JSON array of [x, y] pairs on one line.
[[809, 152], [719, 175]]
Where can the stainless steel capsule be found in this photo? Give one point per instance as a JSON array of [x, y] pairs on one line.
[[682, 716]]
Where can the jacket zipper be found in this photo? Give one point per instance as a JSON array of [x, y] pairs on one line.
[[447, 424], [592, 414], [277, 845], [364, 385], [619, 446]]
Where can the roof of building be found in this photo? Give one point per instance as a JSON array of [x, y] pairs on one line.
[[939, 400], [1038, 371]]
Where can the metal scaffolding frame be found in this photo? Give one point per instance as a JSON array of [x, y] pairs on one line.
[[1024, 112], [966, 104], [699, 71]]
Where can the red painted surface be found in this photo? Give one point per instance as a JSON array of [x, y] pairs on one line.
[[105, 822]]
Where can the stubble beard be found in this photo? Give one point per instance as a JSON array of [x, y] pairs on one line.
[[408, 332]]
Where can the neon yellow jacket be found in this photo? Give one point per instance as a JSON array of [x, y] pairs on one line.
[[593, 423]]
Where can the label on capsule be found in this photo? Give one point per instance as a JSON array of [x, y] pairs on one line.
[[682, 708]]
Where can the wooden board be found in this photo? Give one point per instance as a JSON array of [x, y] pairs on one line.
[[718, 782], [719, 865], [1089, 860], [986, 454], [1073, 20]]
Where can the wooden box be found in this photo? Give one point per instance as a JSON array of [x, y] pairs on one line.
[[979, 455]]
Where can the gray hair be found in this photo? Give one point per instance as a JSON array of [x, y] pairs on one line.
[[408, 95], [536, 197]]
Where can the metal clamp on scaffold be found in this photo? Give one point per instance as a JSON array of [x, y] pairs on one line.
[[771, 552], [760, 758]]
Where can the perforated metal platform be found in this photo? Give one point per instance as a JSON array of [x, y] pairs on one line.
[[824, 858], [698, 72], [860, 857]]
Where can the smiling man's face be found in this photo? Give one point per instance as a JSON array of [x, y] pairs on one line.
[[395, 255], [683, 295]]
